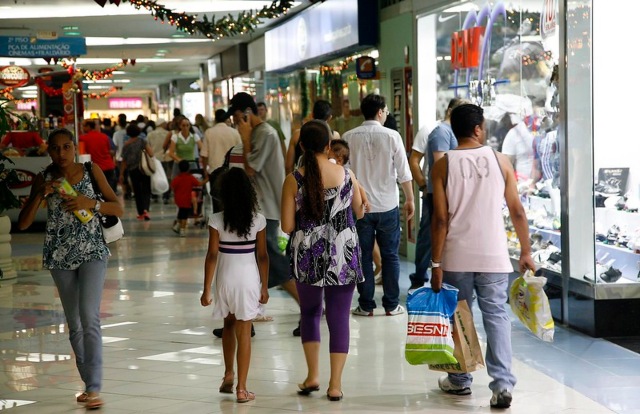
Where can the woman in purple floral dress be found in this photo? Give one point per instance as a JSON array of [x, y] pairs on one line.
[[319, 201]]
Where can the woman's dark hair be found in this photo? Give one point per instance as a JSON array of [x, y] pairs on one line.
[[465, 118], [321, 110], [371, 104], [391, 122], [340, 147], [60, 131], [151, 124], [133, 130], [314, 138], [239, 200]]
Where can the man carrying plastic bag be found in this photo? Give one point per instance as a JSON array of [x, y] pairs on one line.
[[531, 305], [470, 185], [429, 339]]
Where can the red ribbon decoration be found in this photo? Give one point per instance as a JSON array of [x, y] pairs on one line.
[[48, 89]]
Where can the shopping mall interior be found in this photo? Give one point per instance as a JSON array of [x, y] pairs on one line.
[[528, 63]]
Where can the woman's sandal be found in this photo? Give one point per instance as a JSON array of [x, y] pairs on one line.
[[82, 398], [227, 386], [334, 397], [306, 389], [243, 396]]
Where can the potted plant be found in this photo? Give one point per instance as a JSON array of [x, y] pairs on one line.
[[8, 200]]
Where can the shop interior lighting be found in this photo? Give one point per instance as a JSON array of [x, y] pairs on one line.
[[462, 8], [99, 87], [72, 33]]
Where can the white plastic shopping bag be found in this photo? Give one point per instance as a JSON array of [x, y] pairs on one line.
[[159, 182], [531, 305]]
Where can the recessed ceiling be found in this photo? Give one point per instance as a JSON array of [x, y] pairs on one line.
[[162, 52]]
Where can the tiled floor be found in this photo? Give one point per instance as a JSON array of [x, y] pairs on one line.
[[160, 356]]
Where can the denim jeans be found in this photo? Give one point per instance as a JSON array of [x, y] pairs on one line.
[[491, 291], [80, 292], [423, 243], [385, 228]]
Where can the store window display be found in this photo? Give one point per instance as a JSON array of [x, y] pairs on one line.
[[512, 80]]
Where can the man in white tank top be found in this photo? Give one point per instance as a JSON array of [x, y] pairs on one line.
[[470, 244]]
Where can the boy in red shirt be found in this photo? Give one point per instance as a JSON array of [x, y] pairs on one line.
[[182, 187]]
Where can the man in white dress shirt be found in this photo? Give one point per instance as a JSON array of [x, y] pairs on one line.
[[379, 160]]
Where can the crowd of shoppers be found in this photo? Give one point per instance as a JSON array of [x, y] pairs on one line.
[[337, 202]]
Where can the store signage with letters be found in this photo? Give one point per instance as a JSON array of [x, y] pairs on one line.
[[125, 103], [14, 76], [33, 47], [466, 48]]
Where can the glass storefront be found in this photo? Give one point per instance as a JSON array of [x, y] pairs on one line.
[[530, 64], [502, 57], [290, 96]]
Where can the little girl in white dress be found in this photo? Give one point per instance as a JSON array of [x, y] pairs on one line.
[[237, 237]]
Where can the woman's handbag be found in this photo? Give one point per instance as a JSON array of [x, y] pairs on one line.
[[112, 229], [147, 165]]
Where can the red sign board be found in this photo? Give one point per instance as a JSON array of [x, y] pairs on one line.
[[466, 46], [25, 178], [14, 76]]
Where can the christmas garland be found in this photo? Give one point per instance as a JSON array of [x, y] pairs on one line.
[[94, 95], [227, 26], [94, 74]]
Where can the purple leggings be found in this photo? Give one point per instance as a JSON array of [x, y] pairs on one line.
[[338, 311]]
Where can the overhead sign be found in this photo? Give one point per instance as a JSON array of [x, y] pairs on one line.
[[125, 103], [319, 31], [14, 76], [366, 67], [32, 47]]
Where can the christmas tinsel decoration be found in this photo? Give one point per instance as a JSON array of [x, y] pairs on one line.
[[227, 26]]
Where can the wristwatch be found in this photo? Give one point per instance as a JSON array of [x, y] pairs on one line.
[[435, 264], [96, 208]]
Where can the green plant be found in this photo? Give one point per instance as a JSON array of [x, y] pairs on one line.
[[8, 175]]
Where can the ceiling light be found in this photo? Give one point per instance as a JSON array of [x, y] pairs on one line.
[[69, 27], [35, 11], [99, 87], [119, 41], [106, 61], [72, 33], [121, 80], [118, 72], [14, 61]]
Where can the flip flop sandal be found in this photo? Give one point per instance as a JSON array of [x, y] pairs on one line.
[[243, 396], [307, 390], [226, 387]]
